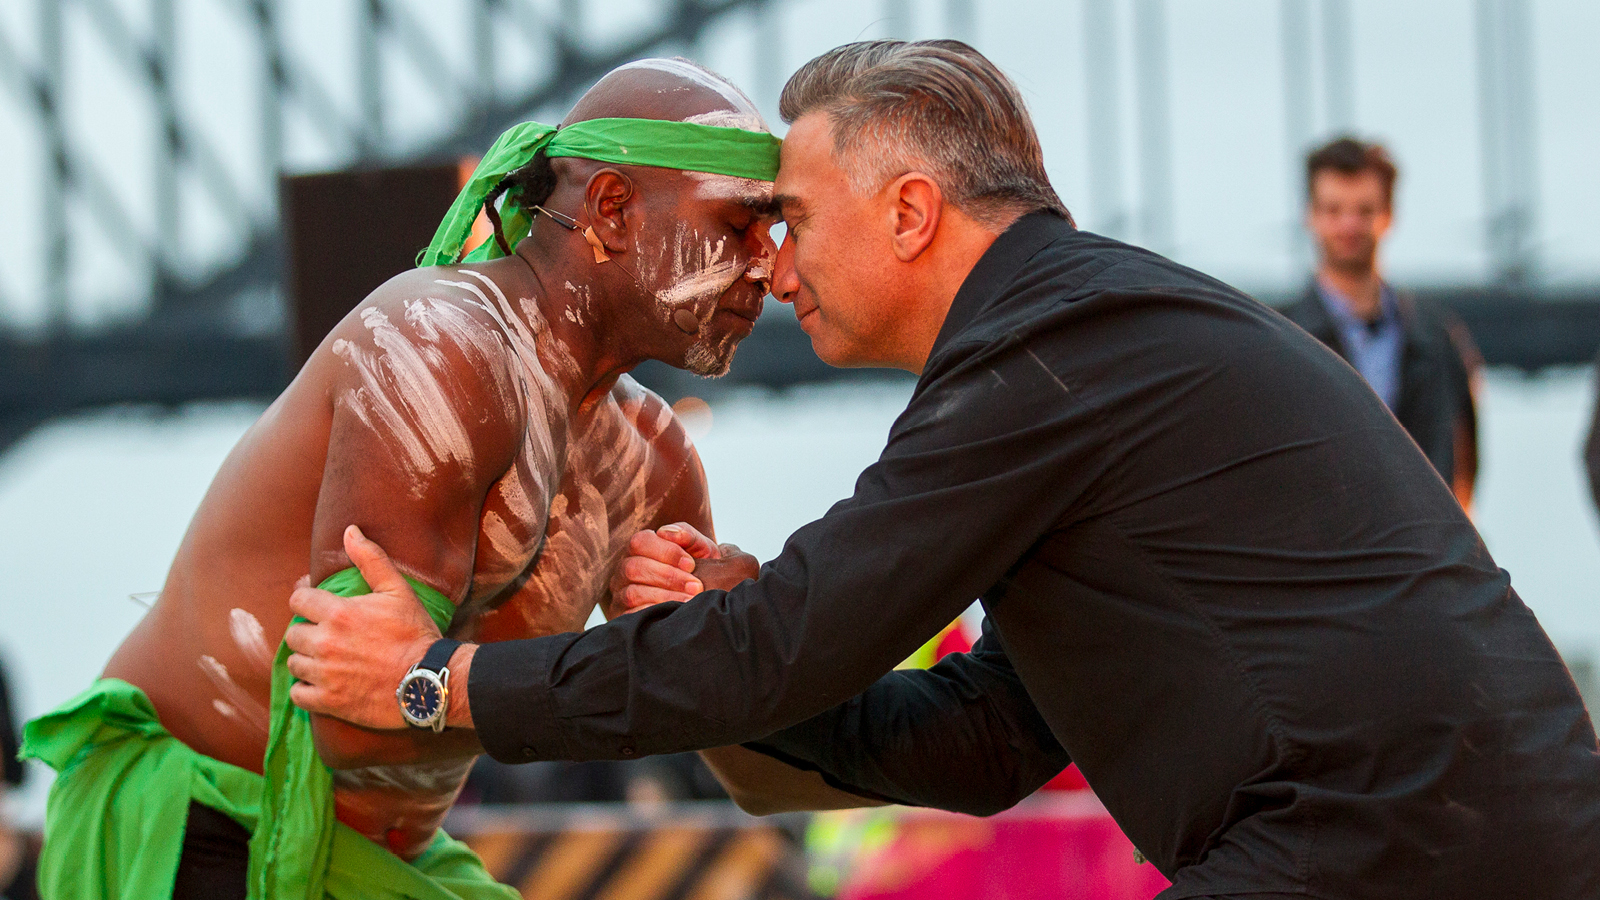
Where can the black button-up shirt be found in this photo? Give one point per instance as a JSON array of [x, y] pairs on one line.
[[1217, 574]]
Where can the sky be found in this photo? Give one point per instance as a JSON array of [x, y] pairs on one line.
[[1234, 171]]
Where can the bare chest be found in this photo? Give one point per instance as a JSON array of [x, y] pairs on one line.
[[553, 561]]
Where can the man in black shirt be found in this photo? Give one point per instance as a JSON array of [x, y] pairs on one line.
[[1218, 575]]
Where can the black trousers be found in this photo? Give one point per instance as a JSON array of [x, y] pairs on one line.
[[216, 857]]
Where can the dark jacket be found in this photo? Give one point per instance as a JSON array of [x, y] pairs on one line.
[[1438, 365]]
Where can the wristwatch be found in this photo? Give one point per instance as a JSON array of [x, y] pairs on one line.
[[424, 692]]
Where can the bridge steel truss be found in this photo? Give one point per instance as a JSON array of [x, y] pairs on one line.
[[192, 342], [206, 337]]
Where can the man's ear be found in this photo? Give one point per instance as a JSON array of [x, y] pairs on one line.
[[606, 199], [1385, 221], [916, 207]]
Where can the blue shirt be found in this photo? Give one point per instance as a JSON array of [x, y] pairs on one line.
[[1373, 347]]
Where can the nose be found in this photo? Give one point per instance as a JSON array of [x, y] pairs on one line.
[[785, 280], [761, 258]]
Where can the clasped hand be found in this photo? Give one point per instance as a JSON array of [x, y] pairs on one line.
[[675, 562]]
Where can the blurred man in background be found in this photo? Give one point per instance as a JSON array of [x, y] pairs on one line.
[[1417, 357]]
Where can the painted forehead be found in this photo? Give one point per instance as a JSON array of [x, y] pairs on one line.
[[747, 192], [695, 75], [729, 118]]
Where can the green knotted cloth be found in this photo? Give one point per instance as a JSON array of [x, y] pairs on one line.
[[634, 142], [296, 836], [115, 822]]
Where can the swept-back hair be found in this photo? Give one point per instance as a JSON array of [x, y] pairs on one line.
[[1350, 156], [938, 107]]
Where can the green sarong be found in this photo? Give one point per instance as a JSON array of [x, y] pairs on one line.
[[115, 819]]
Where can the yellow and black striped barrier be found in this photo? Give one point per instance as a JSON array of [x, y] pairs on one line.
[[706, 850]]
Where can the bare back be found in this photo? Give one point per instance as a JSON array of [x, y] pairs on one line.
[[439, 416]]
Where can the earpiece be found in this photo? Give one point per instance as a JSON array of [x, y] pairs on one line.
[[600, 254], [571, 224]]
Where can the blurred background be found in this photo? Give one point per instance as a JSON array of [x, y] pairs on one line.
[[189, 191]]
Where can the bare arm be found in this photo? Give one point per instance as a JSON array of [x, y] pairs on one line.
[[762, 785], [418, 436]]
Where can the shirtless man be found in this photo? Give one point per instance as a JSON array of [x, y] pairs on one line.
[[476, 420]]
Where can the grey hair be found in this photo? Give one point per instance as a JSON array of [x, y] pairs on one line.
[[938, 107]]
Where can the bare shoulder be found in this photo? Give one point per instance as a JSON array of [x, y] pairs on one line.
[[455, 303], [452, 316], [429, 367]]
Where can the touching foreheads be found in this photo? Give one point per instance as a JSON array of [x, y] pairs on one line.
[[675, 89], [938, 107]]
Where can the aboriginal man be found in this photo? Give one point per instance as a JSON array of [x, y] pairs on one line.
[[1217, 574], [476, 419]]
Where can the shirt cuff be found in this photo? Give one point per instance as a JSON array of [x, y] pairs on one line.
[[512, 706]]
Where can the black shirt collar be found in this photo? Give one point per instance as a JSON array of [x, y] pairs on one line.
[[996, 268]]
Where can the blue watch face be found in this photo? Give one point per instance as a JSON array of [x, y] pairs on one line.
[[421, 698]]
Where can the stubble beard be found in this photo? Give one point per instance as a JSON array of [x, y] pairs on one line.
[[1357, 264], [711, 355]]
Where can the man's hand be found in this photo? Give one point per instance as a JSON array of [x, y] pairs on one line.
[[352, 652], [675, 562]]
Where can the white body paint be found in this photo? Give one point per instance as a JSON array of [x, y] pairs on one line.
[[235, 702], [690, 72], [730, 118], [604, 502], [427, 778], [692, 284], [250, 637], [400, 395], [576, 492], [695, 267], [572, 499], [578, 308]]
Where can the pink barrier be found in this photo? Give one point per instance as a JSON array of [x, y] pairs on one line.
[[1061, 846]]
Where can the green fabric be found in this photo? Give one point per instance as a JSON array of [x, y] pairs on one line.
[[635, 142], [297, 834], [116, 814], [115, 818]]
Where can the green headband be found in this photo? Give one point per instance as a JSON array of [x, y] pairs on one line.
[[632, 142]]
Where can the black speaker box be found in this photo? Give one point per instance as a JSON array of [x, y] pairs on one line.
[[346, 233]]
